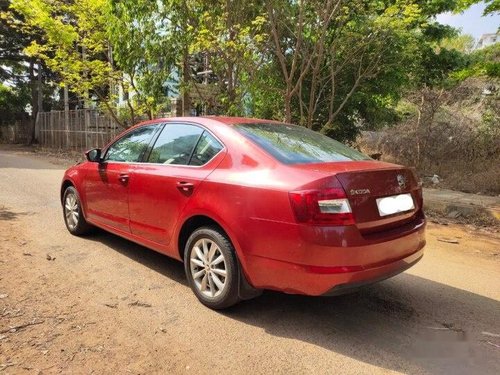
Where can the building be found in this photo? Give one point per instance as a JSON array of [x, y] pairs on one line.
[[487, 40]]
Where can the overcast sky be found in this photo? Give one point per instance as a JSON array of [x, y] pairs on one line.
[[471, 21]]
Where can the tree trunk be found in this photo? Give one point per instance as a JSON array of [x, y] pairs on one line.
[[34, 102], [288, 108], [39, 89]]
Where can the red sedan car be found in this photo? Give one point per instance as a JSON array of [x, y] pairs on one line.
[[249, 205]]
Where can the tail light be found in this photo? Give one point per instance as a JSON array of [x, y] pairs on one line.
[[327, 207], [419, 192]]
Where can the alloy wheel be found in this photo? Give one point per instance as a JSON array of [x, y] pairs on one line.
[[71, 210], [208, 268]]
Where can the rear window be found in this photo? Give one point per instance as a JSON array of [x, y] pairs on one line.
[[293, 144]]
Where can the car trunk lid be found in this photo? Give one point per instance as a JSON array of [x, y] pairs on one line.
[[366, 181]]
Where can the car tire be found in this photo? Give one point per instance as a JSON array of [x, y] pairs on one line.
[[73, 213], [212, 268]]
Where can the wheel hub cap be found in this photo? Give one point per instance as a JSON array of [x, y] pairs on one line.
[[71, 211], [208, 268]]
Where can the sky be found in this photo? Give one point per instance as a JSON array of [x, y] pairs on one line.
[[471, 21]]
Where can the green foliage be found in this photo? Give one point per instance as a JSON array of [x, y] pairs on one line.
[[463, 43], [141, 35], [437, 66], [481, 63], [73, 43], [12, 102], [336, 66], [231, 37], [12, 43], [492, 6]]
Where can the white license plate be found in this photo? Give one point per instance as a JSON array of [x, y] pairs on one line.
[[395, 204]]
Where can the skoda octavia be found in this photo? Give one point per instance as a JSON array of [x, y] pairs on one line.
[[249, 205]]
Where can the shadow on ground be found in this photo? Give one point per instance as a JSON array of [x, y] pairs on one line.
[[408, 323], [7, 215], [160, 263]]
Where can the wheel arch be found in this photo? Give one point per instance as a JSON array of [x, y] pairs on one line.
[[190, 224], [65, 184], [194, 222]]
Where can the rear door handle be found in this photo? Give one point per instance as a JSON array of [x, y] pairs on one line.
[[123, 178], [185, 187]]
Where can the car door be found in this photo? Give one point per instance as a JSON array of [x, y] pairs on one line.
[[181, 158], [107, 183]]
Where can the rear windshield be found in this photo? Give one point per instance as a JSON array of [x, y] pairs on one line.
[[293, 144]]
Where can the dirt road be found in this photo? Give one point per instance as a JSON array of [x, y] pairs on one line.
[[104, 305]]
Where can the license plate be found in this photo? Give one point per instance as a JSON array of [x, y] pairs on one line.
[[395, 204]]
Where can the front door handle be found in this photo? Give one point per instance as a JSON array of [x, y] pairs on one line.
[[123, 178], [185, 187]]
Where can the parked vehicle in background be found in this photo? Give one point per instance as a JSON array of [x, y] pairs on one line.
[[249, 205]]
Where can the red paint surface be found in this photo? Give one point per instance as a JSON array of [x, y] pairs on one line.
[[246, 191]]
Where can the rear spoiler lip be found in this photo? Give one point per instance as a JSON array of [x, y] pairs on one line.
[[332, 168]]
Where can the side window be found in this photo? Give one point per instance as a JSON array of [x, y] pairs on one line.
[[131, 146], [205, 150], [175, 144]]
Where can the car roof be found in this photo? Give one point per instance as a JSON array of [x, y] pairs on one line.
[[227, 120]]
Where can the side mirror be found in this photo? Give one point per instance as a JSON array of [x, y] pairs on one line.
[[94, 155]]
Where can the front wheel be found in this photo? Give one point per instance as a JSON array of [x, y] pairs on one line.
[[212, 268], [73, 215]]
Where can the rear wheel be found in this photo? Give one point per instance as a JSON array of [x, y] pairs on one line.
[[73, 215], [212, 268]]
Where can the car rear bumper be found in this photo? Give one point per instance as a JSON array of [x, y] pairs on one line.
[[331, 270], [376, 275]]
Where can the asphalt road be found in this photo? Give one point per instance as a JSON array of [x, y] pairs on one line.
[[102, 304]]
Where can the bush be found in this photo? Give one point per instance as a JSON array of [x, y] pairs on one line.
[[460, 142]]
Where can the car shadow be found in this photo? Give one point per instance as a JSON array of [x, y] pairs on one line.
[[164, 265], [408, 323]]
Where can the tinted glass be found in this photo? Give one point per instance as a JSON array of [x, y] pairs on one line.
[[175, 144], [131, 146], [295, 144], [205, 150]]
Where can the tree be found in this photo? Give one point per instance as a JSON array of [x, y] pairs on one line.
[[328, 50], [140, 33], [484, 62], [12, 102], [26, 73], [492, 6], [345, 64], [463, 43], [12, 44], [331, 65], [230, 36], [73, 43]]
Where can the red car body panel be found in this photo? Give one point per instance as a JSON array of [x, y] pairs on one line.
[[246, 191]]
